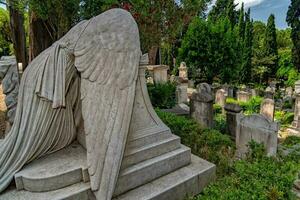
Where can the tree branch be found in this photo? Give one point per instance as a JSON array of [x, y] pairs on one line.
[[2, 2]]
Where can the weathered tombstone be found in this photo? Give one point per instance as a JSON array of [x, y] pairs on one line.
[[269, 93], [160, 73], [181, 93], [258, 128], [243, 96], [289, 92], [183, 71], [231, 92], [253, 92], [267, 108], [297, 104], [233, 115], [220, 97], [126, 150], [202, 105]]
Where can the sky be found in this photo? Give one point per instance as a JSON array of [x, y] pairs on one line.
[[261, 10]]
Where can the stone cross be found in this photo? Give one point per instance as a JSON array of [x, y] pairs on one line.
[[202, 105], [267, 108]]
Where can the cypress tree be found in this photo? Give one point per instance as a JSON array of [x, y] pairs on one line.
[[241, 25], [270, 44], [293, 20], [246, 72]]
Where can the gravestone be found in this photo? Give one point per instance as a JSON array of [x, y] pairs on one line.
[[269, 93], [297, 104], [243, 96], [258, 128], [289, 92], [123, 150], [220, 98], [202, 105], [267, 108], [233, 115], [181, 93], [160, 73]]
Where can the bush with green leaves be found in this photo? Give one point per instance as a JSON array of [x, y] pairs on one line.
[[250, 107], [284, 118], [291, 141], [208, 144], [162, 95], [257, 177]]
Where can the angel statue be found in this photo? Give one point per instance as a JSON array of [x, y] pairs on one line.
[[91, 73]]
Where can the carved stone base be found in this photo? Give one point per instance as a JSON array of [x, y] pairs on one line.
[[155, 165]]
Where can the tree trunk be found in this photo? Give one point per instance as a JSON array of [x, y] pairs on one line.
[[18, 34], [41, 37], [153, 55]]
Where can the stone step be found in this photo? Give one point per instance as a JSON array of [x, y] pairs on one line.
[[148, 136], [151, 169], [136, 155], [54, 171], [186, 181], [79, 191]]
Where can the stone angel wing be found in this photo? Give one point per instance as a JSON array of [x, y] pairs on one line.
[[107, 56]]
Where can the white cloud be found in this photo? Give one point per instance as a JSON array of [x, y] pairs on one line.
[[248, 3]]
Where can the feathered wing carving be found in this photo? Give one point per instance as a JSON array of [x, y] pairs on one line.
[[107, 56]]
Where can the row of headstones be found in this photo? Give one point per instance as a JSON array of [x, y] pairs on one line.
[[258, 127]]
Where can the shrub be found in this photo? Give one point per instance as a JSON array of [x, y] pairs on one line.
[[257, 177], [284, 118], [208, 144], [217, 108], [291, 141], [249, 107], [162, 95]]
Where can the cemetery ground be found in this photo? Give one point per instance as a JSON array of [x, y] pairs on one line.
[[256, 176]]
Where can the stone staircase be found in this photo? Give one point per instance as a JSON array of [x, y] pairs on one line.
[[156, 171]]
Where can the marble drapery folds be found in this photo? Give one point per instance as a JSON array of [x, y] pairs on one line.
[[90, 72]]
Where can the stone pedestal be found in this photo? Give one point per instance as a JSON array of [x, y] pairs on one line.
[[202, 106], [181, 93], [267, 108], [269, 93], [233, 115], [296, 111], [160, 73], [154, 166], [243, 96]]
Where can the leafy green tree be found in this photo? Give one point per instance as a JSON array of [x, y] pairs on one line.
[[5, 34], [211, 50], [287, 73], [293, 20], [223, 8], [284, 40], [270, 44]]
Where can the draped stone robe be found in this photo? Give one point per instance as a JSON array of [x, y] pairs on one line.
[[90, 72]]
